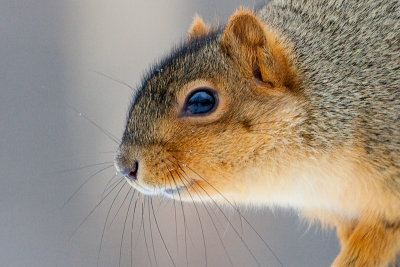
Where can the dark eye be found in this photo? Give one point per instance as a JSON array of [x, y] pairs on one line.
[[201, 101]]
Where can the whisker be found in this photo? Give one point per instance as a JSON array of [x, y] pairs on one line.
[[201, 224], [110, 183], [184, 173], [144, 234], [160, 204], [176, 221], [105, 223], [91, 212], [123, 230], [125, 198], [215, 227], [114, 79], [132, 223], [121, 177], [227, 219], [184, 219], [83, 184], [104, 131], [138, 185], [158, 228], [234, 229], [241, 221], [81, 167], [140, 226], [233, 206], [75, 155], [151, 235]]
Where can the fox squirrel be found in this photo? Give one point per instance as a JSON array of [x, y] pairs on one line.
[[296, 105]]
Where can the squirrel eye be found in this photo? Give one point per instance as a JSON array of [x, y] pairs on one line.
[[201, 101]]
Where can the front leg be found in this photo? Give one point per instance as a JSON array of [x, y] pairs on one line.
[[344, 229], [371, 243]]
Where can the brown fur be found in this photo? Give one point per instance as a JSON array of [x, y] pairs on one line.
[[273, 140]]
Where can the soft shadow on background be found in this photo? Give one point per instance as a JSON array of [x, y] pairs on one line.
[[50, 53]]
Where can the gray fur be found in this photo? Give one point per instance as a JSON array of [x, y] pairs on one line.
[[348, 54]]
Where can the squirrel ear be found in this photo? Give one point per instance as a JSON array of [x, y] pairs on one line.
[[256, 50], [198, 28]]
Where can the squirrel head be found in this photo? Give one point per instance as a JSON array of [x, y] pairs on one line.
[[219, 107]]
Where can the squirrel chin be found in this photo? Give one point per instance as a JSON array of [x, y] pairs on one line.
[[143, 190]]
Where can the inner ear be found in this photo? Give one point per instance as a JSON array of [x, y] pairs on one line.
[[256, 51], [257, 74], [259, 80], [243, 39]]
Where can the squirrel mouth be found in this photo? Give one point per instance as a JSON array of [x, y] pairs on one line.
[[175, 190], [172, 191]]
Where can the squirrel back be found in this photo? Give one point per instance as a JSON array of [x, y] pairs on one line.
[[348, 54], [296, 105]]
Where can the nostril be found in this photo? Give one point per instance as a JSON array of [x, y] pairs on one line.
[[131, 174]]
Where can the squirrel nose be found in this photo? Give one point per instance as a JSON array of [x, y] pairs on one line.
[[130, 173]]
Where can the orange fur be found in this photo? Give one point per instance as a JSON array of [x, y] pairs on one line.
[[198, 28]]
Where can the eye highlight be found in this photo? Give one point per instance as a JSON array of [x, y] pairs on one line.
[[200, 101]]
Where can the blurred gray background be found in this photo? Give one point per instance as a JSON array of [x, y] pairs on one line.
[[50, 56]]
